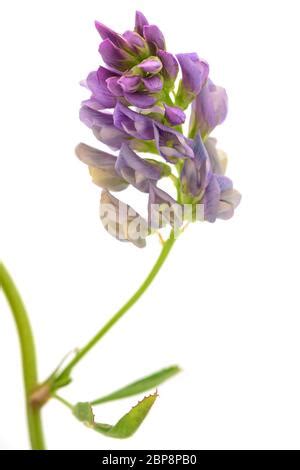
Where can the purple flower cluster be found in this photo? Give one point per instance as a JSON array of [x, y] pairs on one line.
[[137, 105]]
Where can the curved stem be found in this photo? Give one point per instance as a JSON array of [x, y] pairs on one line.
[[119, 314], [28, 356]]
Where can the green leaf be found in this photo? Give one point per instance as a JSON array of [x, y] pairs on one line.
[[125, 427], [130, 422], [140, 386]]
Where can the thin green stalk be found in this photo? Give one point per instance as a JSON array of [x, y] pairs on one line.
[[63, 401], [168, 244], [28, 356]]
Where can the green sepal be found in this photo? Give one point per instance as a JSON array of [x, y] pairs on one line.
[[166, 170], [84, 412], [183, 97]]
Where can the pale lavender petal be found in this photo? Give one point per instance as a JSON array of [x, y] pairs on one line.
[[174, 115], [225, 183], [102, 167], [218, 158], [91, 117], [211, 200], [153, 84], [94, 104], [163, 209], [140, 22], [122, 221], [230, 199], [225, 210], [94, 157], [154, 35]]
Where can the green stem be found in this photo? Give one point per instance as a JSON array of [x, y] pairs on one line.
[[63, 401], [119, 314], [28, 356]]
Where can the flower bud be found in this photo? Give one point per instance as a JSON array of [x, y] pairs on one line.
[[209, 109], [194, 75]]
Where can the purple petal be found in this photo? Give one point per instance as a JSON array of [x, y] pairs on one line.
[[153, 35], [114, 86], [103, 127], [196, 173], [209, 109], [140, 22], [174, 115], [194, 71], [93, 104], [129, 84], [225, 183], [170, 65], [91, 117], [135, 170], [115, 57], [96, 83], [140, 100], [110, 136], [153, 84], [171, 144], [107, 33], [151, 65], [137, 43], [194, 75], [134, 124]]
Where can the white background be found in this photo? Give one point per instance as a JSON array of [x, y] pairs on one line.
[[226, 305]]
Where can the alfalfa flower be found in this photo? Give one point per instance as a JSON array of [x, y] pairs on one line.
[[102, 167], [135, 107], [200, 184]]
